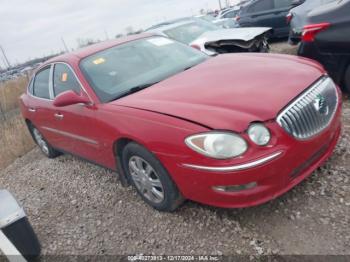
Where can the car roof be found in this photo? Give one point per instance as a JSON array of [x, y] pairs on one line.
[[170, 25], [332, 10], [79, 54]]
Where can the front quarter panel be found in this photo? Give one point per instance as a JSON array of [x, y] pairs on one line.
[[160, 134]]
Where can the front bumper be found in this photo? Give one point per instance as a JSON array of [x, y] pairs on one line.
[[273, 178]]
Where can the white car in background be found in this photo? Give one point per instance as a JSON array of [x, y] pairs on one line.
[[212, 39]]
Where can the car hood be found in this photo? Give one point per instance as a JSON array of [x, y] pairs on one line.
[[241, 34], [229, 91]]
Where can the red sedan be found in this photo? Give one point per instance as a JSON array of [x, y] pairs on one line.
[[233, 130]]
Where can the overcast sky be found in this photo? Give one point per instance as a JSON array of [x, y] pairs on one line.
[[33, 28]]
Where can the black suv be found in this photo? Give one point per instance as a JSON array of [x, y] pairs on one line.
[[267, 13], [326, 38]]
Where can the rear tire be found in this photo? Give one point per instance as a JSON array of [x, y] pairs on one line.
[[347, 80], [44, 146], [150, 179]]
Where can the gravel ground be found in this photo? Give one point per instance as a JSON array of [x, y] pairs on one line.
[[78, 208]]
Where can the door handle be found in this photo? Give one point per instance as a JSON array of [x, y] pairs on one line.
[[59, 116], [30, 109]]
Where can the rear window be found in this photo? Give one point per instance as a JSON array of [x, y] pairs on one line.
[[41, 84]]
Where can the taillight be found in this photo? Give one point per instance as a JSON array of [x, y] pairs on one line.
[[310, 31], [196, 47], [237, 18], [289, 18]]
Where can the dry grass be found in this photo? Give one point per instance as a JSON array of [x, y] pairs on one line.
[[10, 91], [15, 139]]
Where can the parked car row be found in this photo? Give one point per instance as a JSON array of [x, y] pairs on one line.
[[212, 39], [262, 13], [322, 26], [17, 72]]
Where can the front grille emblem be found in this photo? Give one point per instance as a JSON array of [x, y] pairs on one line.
[[321, 105]]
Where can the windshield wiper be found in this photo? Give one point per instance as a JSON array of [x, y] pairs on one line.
[[134, 90]]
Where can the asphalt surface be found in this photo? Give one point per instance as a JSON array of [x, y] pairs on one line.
[[81, 209]]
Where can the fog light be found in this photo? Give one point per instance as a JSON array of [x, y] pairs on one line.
[[235, 188], [259, 134]]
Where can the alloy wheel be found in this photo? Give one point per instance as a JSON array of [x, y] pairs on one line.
[[146, 179], [40, 141]]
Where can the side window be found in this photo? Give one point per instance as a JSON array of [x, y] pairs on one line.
[[64, 80], [282, 3], [230, 14], [41, 84], [261, 6]]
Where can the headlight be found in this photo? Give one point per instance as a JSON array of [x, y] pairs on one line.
[[259, 134], [220, 145]]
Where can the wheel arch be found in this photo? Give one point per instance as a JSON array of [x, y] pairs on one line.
[[29, 125], [118, 147]]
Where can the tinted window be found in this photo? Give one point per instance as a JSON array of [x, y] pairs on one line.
[[41, 84], [64, 80], [282, 3], [260, 6]]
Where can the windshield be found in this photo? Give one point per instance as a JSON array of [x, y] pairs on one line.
[[117, 70], [189, 32], [207, 18]]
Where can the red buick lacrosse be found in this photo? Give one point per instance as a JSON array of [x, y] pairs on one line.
[[231, 131]]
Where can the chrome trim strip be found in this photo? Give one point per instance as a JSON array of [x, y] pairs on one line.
[[296, 126], [236, 167], [81, 138], [51, 83]]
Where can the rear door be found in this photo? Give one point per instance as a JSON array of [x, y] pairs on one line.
[[259, 13], [42, 107], [281, 9]]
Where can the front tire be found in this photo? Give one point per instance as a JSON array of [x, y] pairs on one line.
[[44, 146], [150, 179]]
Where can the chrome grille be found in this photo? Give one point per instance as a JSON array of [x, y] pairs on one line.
[[312, 112]]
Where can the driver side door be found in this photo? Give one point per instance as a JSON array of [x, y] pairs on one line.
[[74, 122]]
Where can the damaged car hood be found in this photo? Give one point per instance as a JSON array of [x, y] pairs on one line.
[[241, 34], [229, 91]]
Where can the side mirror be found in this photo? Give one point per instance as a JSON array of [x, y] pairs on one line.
[[68, 98], [17, 237]]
